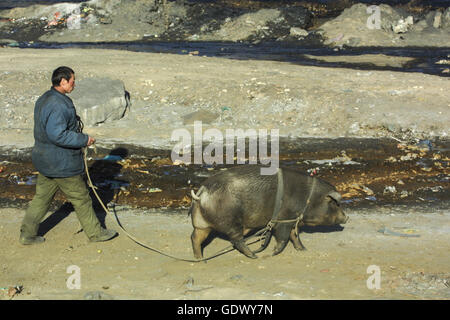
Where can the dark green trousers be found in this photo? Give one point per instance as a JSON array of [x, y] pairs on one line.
[[76, 192]]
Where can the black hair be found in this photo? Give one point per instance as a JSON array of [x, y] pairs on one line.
[[61, 73]]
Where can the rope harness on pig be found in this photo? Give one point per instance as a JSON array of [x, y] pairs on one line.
[[267, 231], [262, 234]]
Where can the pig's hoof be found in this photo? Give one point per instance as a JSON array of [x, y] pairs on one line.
[[276, 252], [253, 256], [300, 249]]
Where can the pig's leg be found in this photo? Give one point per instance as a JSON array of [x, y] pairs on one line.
[[197, 238], [298, 245], [242, 247], [281, 234], [236, 234], [266, 242]]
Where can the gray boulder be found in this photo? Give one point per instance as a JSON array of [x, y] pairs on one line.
[[100, 100]]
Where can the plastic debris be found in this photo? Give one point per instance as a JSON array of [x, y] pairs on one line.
[[12, 291], [13, 44], [29, 181], [386, 231], [425, 145], [113, 184], [111, 157]]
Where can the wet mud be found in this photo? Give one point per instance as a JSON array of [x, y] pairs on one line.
[[367, 172]]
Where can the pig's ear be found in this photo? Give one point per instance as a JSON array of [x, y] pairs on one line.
[[336, 196]]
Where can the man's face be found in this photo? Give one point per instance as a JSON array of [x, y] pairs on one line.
[[68, 86]]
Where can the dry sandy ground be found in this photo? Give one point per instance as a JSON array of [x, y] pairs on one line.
[[298, 100], [333, 267]]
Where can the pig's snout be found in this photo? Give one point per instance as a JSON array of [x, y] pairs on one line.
[[342, 218]]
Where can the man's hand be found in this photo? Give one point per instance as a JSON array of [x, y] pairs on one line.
[[91, 141]]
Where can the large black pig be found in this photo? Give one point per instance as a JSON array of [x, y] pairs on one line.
[[239, 200]]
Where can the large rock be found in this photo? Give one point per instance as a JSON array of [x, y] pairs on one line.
[[264, 24], [244, 26], [353, 23], [355, 27], [100, 99]]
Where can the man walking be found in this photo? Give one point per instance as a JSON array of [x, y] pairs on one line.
[[58, 157]]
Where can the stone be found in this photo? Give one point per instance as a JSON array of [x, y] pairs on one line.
[[100, 100], [409, 20], [97, 295], [298, 32], [202, 115], [402, 25], [437, 19]]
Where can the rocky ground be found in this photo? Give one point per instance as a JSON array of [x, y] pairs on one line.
[[412, 24], [167, 91], [171, 91]]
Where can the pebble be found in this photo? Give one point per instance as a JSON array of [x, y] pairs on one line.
[[389, 189], [97, 295]]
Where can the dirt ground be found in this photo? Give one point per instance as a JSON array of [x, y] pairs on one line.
[[334, 266], [302, 101]]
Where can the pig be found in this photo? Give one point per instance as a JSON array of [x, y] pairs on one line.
[[240, 200]]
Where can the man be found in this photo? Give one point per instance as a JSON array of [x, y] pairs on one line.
[[57, 155]]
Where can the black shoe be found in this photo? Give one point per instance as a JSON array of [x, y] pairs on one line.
[[105, 235], [31, 240]]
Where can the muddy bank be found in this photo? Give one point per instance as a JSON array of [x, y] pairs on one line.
[[367, 172]]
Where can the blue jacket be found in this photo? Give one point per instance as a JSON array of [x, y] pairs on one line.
[[57, 140]]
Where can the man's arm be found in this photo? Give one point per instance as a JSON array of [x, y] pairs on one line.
[[57, 132]]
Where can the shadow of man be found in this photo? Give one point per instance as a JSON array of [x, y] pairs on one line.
[[104, 173]]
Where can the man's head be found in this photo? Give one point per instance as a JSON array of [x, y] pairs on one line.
[[63, 79]]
